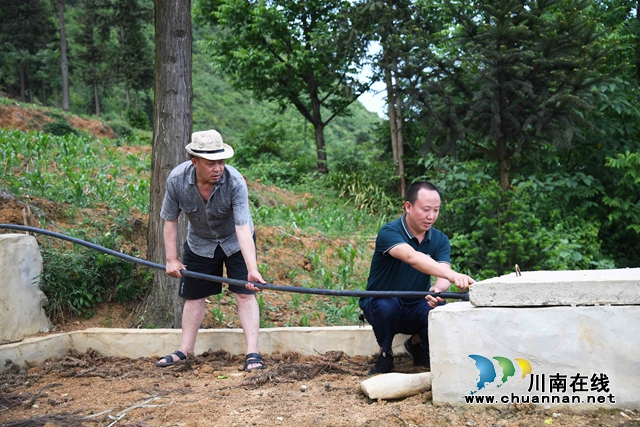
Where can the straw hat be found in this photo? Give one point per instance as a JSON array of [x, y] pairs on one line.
[[208, 145]]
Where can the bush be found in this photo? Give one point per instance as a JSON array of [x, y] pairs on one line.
[[363, 191], [76, 280], [121, 128], [269, 153], [137, 119], [59, 127], [541, 224]]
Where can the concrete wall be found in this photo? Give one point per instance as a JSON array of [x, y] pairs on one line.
[[563, 342], [21, 300], [152, 343]]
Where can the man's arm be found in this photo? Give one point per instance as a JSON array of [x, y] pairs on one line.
[[248, 249], [170, 232], [427, 265], [441, 285]]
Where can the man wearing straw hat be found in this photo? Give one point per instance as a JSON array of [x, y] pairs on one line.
[[214, 197]]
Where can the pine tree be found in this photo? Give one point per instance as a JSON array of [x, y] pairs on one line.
[[135, 61], [513, 76], [26, 27], [92, 47]]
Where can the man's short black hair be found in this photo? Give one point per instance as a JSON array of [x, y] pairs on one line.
[[412, 191]]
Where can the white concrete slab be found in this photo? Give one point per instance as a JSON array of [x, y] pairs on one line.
[[590, 344], [21, 300], [553, 288]]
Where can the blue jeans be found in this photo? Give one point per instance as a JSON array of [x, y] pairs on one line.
[[391, 316]]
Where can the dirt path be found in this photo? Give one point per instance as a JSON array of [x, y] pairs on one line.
[[211, 390]]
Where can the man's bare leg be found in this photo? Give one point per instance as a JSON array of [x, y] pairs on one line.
[[192, 316], [249, 314]]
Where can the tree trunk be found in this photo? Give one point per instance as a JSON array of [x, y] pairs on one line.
[[96, 94], [503, 164], [390, 107], [64, 63], [394, 108], [172, 123], [44, 93], [30, 90], [126, 81], [638, 42], [318, 126], [23, 96], [399, 139], [400, 143]]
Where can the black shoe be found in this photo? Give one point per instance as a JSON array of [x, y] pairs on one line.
[[420, 357], [384, 364]]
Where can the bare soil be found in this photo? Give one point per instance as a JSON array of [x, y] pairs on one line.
[[211, 389], [25, 118]]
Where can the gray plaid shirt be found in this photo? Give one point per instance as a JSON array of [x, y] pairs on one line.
[[213, 223]]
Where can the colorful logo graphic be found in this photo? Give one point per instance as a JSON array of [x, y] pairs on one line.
[[487, 371]]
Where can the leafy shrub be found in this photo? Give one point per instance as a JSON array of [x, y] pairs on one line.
[[76, 280], [59, 127], [271, 155], [540, 224], [121, 128], [363, 191], [137, 119]]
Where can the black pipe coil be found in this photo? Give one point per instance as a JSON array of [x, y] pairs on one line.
[[333, 292]]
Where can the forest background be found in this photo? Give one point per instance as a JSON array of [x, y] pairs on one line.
[[524, 113]]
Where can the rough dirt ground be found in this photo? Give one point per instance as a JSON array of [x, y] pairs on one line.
[[24, 118], [211, 389]]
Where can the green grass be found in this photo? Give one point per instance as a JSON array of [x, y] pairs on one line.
[[74, 169], [79, 172]]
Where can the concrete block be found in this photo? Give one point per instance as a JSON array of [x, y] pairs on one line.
[[21, 300], [585, 357], [134, 343], [552, 288], [151, 343], [34, 349]]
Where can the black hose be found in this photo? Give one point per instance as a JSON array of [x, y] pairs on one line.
[[334, 292]]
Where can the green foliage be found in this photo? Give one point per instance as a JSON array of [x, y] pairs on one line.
[[512, 79], [94, 46], [137, 119], [300, 54], [624, 203], [122, 129], [363, 191], [272, 154], [94, 170], [76, 281], [543, 224], [27, 29], [59, 127]]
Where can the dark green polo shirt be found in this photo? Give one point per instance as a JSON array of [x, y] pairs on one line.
[[390, 274]]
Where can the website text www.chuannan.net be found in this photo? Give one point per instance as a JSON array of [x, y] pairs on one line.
[[514, 398]]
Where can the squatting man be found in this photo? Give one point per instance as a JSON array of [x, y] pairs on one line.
[[215, 199], [408, 252]]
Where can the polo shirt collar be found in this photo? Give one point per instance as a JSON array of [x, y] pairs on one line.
[[403, 220]]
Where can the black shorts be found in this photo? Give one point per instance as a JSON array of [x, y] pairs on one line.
[[193, 288]]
